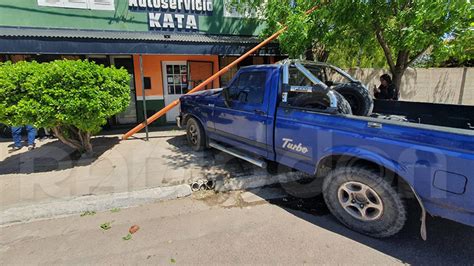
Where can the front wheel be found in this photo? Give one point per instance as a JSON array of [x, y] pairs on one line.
[[195, 135], [364, 201]]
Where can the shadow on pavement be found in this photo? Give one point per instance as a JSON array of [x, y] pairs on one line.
[[183, 156], [448, 242], [53, 156]]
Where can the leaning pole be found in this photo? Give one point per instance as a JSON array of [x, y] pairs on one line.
[[201, 86]]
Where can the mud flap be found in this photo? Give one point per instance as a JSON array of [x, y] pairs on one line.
[[423, 232]]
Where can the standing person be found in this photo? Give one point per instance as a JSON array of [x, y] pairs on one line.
[[16, 132], [386, 90]]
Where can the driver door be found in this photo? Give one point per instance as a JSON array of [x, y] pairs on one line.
[[244, 123]]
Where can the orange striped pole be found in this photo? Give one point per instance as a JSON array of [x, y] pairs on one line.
[[170, 106]]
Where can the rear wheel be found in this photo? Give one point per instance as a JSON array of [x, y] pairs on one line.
[[195, 135], [364, 201]]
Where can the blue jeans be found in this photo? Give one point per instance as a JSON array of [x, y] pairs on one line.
[[16, 132]]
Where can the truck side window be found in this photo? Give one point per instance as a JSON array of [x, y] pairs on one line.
[[249, 87]]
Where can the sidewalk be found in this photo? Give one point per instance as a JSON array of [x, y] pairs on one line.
[[50, 172]]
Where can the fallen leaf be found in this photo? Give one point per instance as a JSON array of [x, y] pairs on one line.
[[127, 237], [173, 261], [133, 229], [106, 226]]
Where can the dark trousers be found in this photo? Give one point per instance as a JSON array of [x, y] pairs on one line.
[[16, 132]]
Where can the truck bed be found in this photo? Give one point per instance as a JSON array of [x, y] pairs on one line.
[[444, 115]]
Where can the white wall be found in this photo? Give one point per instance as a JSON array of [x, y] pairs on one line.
[[436, 85]]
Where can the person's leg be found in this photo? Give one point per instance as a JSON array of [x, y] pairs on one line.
[[16, 133], [31, 135]]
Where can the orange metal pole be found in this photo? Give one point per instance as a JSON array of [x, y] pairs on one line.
[[207, 81]]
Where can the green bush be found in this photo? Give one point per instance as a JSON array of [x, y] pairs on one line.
[[73, 98]]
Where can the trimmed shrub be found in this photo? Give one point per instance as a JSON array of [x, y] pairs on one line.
[[73, 98]]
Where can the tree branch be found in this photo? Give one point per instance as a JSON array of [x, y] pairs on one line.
[[386, 49], [71, 143], [418, 55]]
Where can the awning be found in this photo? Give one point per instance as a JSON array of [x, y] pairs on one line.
[[65, 41]]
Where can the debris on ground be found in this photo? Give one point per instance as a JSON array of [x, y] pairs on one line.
[[133, 229], [127, 237], [88, 213], [106, 225], [173, 260], [115, 210], [203, 184]]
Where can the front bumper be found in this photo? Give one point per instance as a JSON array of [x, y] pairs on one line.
[[178, 121]]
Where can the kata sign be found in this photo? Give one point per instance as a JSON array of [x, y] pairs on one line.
[[173, 14]]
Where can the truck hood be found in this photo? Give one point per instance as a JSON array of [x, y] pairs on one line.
[[203, 97], [205, 92]]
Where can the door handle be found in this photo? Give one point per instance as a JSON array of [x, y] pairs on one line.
[[259, 112]]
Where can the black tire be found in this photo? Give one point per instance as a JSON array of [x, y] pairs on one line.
[[195, 135], [322, 101], [384, 221], [358, 97]]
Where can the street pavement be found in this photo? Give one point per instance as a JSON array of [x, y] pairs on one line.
[[53, 180], [53, 171], [227, 228]]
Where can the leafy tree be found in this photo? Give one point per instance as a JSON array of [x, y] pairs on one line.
[[73, 98], [402, 30]]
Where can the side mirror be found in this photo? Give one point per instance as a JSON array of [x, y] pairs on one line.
[[227, 99]]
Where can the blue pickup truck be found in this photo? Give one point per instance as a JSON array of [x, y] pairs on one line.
[[317, 119]]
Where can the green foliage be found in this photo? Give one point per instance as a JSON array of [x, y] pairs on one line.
[[74, 97], [88, 213], [76, 93], [364, 31]]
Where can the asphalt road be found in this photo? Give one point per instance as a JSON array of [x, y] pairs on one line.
[[227, 229]]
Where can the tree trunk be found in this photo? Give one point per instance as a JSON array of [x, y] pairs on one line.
[[309, 55], [74, 138], [316, 52], [397, 75], [86, 142], [320, 52]]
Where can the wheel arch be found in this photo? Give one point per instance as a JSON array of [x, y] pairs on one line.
[[390, 170], [188, 116]]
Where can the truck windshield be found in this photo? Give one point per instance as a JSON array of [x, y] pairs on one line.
[[328, 75]]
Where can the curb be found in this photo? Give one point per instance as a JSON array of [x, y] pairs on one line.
[[48, 210], [74, 206]]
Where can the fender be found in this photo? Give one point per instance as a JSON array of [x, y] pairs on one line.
[[364, 154], [190, 115]]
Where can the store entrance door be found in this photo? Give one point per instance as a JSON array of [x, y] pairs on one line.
[[129, 116], [175, 84]]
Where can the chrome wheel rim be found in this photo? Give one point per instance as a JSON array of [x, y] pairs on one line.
[[193, 134], [360, 201]]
